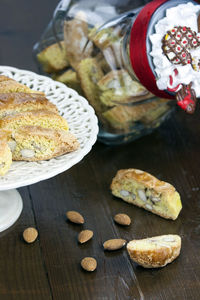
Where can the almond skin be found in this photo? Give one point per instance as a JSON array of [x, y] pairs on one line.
[[30, 235], [122, 219], [75, 217], [89, 264], [84, 236], [114, 244]]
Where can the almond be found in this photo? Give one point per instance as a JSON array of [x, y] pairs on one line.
[[30, 235], [75, 217], [89, 264], [84, 236], [122, 219], [114, 244]]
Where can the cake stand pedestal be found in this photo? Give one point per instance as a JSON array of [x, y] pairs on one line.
[[10, 208]]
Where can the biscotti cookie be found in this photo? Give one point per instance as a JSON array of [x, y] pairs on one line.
[[70, 78], [53, 58], [43, 118], [33, 143], [155, 252], [12, 86], [77, 45], [4, 78], [5, 154], [123, 116], [152, 117], [118, 87], [12, 103], [104, 38], [146, 191], [89, 73]]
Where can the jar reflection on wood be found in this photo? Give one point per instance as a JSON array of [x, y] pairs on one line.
[[86, 46]]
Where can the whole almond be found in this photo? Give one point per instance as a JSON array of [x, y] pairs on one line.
[[75, 217], [114, 244], [122, 219], [84, 236], [30, 235], [89, 264]]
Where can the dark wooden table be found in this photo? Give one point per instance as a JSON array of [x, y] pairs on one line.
[[50, 268]]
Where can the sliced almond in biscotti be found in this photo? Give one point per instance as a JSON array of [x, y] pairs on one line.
[[144, 190], [155, 252]]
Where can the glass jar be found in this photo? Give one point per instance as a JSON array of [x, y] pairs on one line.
[[103, 53]]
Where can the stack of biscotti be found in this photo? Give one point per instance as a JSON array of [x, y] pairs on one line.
[[31, 127]]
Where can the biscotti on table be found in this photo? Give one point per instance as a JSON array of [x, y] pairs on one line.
[[155, 252], [144, 190]]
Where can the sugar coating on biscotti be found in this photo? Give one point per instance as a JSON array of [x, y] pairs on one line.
[[5, 154], [155, 252], [43, 118], [144, 190], [33, 143]]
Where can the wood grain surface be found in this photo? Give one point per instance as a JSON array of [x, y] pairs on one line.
[[50, 268]]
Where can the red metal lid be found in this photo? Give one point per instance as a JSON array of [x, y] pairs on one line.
[[138, 49]]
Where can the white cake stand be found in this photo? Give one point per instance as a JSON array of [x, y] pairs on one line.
[[82, 123]]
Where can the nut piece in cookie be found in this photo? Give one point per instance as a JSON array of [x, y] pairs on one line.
[[144, 190], [155, 252]]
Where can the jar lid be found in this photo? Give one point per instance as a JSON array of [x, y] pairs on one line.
[[140, 45]]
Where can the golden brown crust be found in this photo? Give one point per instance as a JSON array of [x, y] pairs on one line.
[[144, 178], [11, 86], [44, 118], [4, 78], [163, 253], [18, 102]]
